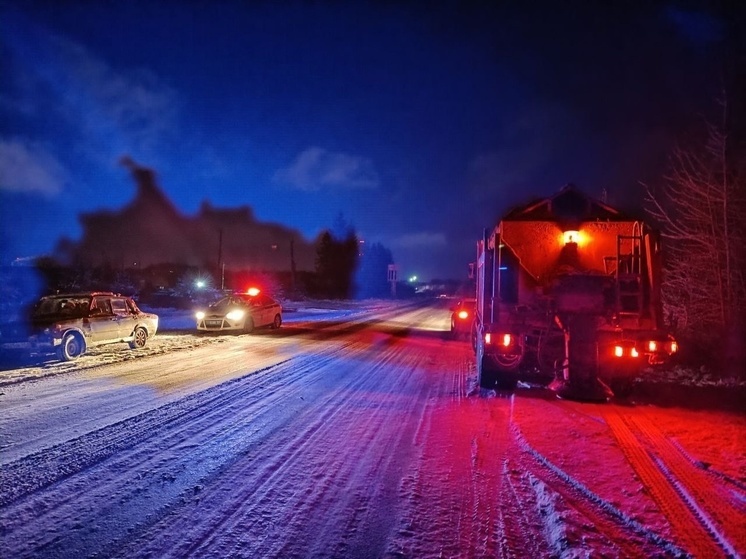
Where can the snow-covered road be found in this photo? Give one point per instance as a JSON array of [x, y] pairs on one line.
[[353, 434]]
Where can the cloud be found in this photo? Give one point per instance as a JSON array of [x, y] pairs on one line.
[[422, 239], [134, 104], [30, 169], [316, 168], [107, 110]]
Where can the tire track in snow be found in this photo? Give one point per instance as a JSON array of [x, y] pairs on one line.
[[244, 521], [461, 498], [203, 422], [715, 508], [25, 475], [685, 523], [628, 537]]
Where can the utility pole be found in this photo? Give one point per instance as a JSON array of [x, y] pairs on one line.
[[220, 248], [292, 265]]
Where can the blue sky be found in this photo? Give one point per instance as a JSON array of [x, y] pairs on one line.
[[420, 122]]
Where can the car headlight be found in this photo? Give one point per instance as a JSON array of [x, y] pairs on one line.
[[200, 315], [236, 314]]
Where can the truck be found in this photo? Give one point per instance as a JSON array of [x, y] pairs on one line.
[[568, 292]]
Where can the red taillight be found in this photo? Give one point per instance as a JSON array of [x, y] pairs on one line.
[[663, 346], [504, 340], [253, 291], [626, 350], [463, 315]]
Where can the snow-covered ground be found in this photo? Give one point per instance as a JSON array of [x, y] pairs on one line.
[[353, 431]]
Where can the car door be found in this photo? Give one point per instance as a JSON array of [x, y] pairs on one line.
[[103, 321], [265, 304], [125, 319]]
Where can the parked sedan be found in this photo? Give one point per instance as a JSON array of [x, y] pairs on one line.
[[241, 312], [69, 324]]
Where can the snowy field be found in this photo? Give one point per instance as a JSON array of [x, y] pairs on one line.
[[354, 431]]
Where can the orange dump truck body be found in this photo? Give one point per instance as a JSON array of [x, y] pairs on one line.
[[569, 280]]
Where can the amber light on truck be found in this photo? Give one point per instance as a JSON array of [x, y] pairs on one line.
[[573, 237]]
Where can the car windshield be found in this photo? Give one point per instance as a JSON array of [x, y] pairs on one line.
[[248, 299], [225, 303], [62, 307]]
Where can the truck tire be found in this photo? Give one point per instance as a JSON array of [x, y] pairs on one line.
[[486, 377], [490, 375], [497, 379], [621, 387]]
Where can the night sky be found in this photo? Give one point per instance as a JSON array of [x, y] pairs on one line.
[[420, 123]]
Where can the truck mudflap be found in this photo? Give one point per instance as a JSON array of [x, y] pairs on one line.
[[578, 378]]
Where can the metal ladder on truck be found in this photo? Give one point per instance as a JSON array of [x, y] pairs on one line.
[[629, 277]]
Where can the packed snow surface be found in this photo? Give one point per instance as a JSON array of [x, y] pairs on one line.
[[355, 430]]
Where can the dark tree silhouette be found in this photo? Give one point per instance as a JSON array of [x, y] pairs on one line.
[[336, 262], [701, 208]]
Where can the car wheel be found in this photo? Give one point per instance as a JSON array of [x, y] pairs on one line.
[[72, 347], [277, 322], [139, 339], [248, 326]]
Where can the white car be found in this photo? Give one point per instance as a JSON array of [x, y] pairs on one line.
[[241, 312], [69, 324]]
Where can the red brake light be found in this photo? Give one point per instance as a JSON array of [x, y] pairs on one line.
[[626, 349], [507, 339], [463, 314], [253, 291]]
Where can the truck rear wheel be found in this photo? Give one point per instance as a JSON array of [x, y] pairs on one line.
[[493, 376], [486, 377]]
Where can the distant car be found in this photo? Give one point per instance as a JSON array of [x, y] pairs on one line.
[[69, 324], [241, 312], [462, 318]]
